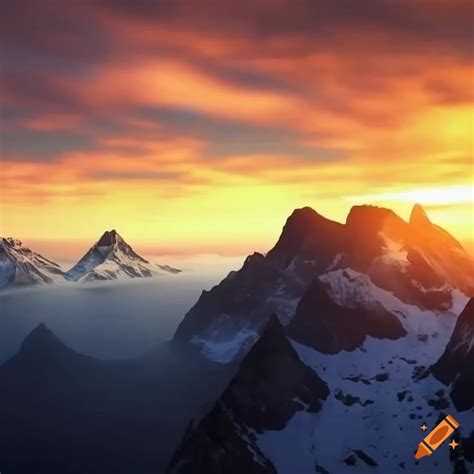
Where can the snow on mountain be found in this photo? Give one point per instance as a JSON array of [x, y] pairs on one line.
[[380, 393], [370, 306], [456, 366], [21, 266], [416, 262], [332, 321], [111, 258], [270, 387]]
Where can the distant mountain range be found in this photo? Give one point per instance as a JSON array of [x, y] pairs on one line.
[[110, 258], [326, 355]]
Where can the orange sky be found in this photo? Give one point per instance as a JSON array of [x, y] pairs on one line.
[[197, 130]]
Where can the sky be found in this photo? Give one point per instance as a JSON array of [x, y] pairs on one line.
[[194, 127]]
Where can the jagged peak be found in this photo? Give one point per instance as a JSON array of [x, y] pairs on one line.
[[303, 211], [302, 225], [253, 258], [272, 341], [304, 215], [108, 238], [270, 377], [11, 242], [369, 212], [274, 327], [418, 216]]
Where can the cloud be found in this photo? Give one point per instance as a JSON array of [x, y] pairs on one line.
[[255, 101], [445, 195]]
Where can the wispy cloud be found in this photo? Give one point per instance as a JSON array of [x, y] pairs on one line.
[[279, 103]]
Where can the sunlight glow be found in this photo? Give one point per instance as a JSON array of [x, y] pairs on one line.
[[456, 194]]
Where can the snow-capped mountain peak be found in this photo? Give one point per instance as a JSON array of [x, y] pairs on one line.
[[415, 262], [21, 266], [110, 258], [375, 396], [272, 384]]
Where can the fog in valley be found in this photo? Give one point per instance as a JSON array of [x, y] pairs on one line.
[[110, 320]]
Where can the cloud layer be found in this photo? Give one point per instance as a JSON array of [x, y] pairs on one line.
[[150, 113]]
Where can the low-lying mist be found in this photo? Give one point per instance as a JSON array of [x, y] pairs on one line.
[[109, 320]]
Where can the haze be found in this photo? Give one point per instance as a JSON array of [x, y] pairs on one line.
[[109, 320]]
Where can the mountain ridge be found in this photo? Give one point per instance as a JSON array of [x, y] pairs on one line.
[[416, 261], [270, 386], [21, 266], [111, 257], [380, 388]]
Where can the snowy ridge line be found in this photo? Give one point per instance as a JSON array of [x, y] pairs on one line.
[[111, 258], [386, 260]]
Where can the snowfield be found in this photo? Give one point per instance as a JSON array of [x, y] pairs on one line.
[[379, 398]]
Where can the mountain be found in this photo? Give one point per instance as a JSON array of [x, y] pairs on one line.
[[441, 252], [21, 266], [65, 412], [43, 348], [270, 387], [323, 356], [111, 258], [456, 366], [373, 252], [368, 306], [377, 391], [330, 327]]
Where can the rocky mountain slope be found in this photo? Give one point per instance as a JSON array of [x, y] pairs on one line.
[[380, 393], [416, 261], [338, 334], [456, 365], [21, 266], [369, 306], [111, 258], [270, 387]]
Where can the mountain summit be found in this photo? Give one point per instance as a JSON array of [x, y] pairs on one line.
[[111, 258], [109, 237], [374, 254], [367, 305], [271, 386], [39, 339], [45, 351], [418, 216]]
